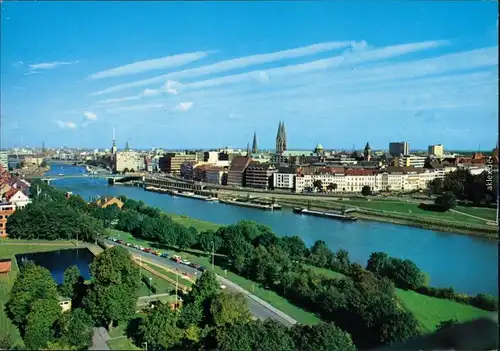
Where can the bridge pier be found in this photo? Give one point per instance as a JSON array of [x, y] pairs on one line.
[[111, 181]]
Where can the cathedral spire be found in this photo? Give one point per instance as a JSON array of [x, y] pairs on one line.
[[248, 149], [254, 144]]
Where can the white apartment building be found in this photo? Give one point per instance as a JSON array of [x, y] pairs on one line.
[[284, 180], [130, 160], [352, 181], [412, 161], [19, 199]]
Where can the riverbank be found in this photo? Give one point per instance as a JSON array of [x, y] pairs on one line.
[[400, 213]]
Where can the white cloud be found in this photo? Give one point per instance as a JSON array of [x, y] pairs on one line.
[[135, 108], [50, 65], [90, 115], [170, 87], [228, 65], [184, 106], [348, 60], [66, 124], [150, 65]]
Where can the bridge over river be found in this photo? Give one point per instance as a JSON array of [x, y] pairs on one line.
[[112, 178]]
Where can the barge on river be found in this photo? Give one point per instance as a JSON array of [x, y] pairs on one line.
[[345, 216], [270, 207]]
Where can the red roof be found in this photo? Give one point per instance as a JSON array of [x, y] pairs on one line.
[[10, 193]]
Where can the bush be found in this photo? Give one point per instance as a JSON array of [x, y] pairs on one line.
[[151, 287], [485, 302]]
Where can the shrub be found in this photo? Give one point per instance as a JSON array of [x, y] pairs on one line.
[[485, 302]]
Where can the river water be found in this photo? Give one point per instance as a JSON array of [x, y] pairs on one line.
[[469, 264]]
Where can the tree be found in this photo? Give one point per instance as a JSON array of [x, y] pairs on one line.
[[378, 263], [40, 323], [229, 309], [191, 314], [320, 254], [446, 201], [295, 246], [331, 186], [275, 336], [125, 170], [206, 287], [366, 190], [323, 336], [43, 164], [70, 282], [436, 186], [318, 184], [208, 241], [75, 328], [159, 328], [32, 284], [186, 238], [115, 280], [446, 324], [343, 262], [406, 274]]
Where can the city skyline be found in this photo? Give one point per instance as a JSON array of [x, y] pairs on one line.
[[193, 75]]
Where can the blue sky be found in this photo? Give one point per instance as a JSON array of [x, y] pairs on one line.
[[192, 74]]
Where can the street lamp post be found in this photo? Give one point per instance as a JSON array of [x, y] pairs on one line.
[[213, 254], [176, 285], [150, 278]]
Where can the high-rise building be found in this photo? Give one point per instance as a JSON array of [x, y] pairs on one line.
[[436, 150], [254, 144], [399, 148]]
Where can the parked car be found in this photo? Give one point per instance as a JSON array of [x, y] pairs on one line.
[[222, 287], [164, 255], [147, 249], [120, 241], [157, 253], [186, 262], [195, 265], [176, 258], [202, 268]]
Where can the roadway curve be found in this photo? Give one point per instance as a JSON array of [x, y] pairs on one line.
[[257, 306]]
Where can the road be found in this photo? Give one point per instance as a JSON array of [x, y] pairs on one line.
[[258, 307]]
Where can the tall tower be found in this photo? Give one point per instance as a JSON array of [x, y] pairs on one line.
[[113, 148], [248, 149], [254, 144], [127, 148], [368, 152], [281, 139]]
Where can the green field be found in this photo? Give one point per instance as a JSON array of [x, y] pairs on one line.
[[412, 210], [486, 213], [325, 272], [198, 224], [9, 248], [430, 311], [122, 344], [182, 280], [269, 296], [161, 285]]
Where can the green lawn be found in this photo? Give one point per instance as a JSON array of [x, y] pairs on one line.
[[272, 298], [411, 209], [486, 213], [161, 285], [430, 311], [198, 224], [182, 279], [325, 272], [122, 344], [8, 250]]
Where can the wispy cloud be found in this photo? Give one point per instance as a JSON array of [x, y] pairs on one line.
[[228, 65], [50, 65], [135, 108], [184, 106], [66, 124], [170, 87], [348, 59], [91, 116], [150, 65]]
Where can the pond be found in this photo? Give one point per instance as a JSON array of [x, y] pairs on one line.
[[57, 261]]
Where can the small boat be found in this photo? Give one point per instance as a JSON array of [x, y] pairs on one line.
[[61, 174]]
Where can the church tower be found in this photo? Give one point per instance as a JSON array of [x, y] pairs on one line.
[[368, 152], [113, 148], [281, 139], [254, 144]]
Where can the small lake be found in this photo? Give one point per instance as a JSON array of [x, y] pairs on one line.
[[57, 261]]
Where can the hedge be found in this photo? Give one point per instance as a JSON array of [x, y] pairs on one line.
[[481, 301]]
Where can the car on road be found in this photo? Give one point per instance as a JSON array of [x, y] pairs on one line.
[[186, 262], [164, 255], [202, 268], [222, 287], [176, 258], [195, 265], [120, 241], [147, 250]]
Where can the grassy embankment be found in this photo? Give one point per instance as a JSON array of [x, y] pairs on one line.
[[429, 311], [408, 213], [199, 257], [8, 249]]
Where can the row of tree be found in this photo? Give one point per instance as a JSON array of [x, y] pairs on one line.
[[479, 189]]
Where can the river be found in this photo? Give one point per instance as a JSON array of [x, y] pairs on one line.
[[469, 264]]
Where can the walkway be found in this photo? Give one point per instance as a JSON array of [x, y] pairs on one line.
[[99, 339], [476, 217]]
